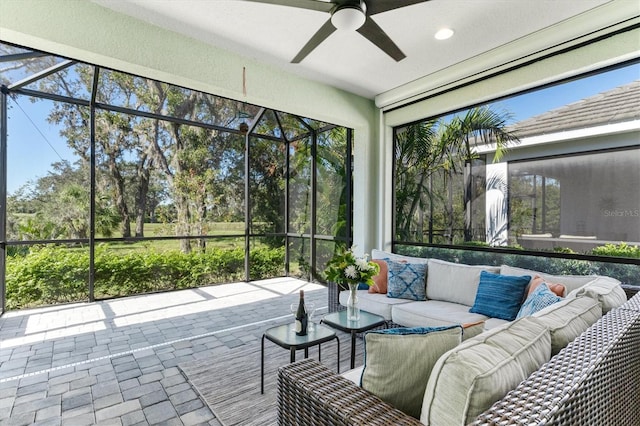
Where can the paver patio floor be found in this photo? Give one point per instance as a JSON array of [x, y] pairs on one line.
[[115, 362]]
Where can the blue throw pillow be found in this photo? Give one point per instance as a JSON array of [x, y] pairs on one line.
[[500, 296], [363, 286], [407, 280], [539, 299]]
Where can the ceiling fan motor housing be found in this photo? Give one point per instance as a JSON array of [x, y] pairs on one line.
[[349, 15]]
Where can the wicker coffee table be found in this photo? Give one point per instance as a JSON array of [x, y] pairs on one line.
[[285, 337], [367, 321]]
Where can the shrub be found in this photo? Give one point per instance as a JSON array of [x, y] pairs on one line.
[[626, 273], [55, 274], [619, 250]]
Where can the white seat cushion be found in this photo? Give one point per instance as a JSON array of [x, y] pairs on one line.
[[354, 375], [375, 303], [492, 323], [433, 313]]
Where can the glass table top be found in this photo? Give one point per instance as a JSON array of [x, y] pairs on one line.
[[286, 334], [367, 321]]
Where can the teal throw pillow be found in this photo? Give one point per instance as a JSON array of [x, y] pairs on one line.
[[398, 363], [406, 280], [500, 296], [539, 299]]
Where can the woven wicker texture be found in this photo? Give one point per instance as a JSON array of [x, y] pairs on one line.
[[595, 380], [633, 304], [630, 290], [310, 394], [333, 292]]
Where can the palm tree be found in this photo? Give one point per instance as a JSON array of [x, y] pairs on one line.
[[416, 154], [479, 126], [432, 146]]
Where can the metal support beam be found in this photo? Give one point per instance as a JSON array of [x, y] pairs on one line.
[[3, 196], [15, 57], [42, 74], [314, 205], [349, 177], [247, 198], [92, 191]]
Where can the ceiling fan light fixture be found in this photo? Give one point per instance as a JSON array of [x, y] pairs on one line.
[[348, 17]]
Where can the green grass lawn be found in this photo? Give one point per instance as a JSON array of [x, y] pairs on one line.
[[211, 229], [217, 231]]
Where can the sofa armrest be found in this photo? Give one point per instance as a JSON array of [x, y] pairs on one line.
[[593, 380], [311, 394]]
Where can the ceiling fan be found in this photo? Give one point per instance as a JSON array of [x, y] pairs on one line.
[[353, 15]]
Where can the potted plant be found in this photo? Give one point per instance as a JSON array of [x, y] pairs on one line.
[[348, 271]]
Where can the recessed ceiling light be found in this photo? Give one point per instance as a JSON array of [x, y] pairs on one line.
[[444, 34]]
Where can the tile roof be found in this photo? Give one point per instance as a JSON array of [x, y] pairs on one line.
[[617, 105]]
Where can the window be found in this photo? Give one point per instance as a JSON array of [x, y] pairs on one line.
[[141, 186], [551, 172]]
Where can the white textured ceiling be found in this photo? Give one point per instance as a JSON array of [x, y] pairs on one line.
[[274, 34]]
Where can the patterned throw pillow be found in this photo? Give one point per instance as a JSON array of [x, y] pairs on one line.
[[406, 280], [398, 363], [539, 299], [500, 296]]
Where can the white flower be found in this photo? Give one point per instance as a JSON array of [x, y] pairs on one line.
[[362, 264], [351, 272]]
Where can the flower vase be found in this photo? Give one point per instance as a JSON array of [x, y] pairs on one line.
[[353, 310]]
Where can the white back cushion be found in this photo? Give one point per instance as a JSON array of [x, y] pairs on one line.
[[468, 379], [605, 290], [454, 282], [380, 254], [570, 282]]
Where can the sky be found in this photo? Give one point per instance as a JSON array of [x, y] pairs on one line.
[[33, 143], [529, 105]]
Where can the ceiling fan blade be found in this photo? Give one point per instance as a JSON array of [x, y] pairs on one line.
[[379, 6], [325, 31], [320, 6], [372, 32]]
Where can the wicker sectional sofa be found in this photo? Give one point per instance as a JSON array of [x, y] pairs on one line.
[[451, 290], [567, 361], [594, 380]]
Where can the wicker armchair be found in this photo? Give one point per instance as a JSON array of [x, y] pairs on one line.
[[311, 394], [595, 380]]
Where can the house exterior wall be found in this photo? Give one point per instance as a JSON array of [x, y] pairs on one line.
[[599, 195], [497, 205]]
